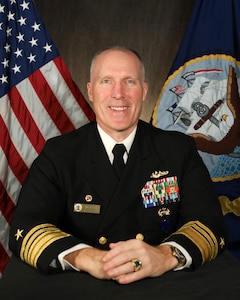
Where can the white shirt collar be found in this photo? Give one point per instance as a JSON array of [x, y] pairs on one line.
[[109, 142]]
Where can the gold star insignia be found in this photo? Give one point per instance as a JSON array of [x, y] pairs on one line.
[[222, 242], [18, 234]]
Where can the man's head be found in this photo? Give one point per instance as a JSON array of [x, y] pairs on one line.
[[117, 89]]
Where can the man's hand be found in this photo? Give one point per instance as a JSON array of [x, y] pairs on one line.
[[155, 261], [89, 260], [117, 263]]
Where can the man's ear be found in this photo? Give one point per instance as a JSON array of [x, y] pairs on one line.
[[145, 90], [89, 89]]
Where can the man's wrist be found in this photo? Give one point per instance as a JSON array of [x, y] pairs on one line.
[[184, 252], [179, 256], [61, 257]]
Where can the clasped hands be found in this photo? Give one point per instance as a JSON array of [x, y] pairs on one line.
[[125, 262]]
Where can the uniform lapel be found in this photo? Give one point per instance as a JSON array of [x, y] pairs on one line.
[[96, 167]]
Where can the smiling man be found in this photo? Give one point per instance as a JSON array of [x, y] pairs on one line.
[[76, 212], [117, 90]]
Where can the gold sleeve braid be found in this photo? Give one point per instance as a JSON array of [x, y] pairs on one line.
[[37, 240], [202, 237]]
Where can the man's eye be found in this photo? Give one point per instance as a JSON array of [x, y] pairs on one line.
[[106, 80], [130, 81]]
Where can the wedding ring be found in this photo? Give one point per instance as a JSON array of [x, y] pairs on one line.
[[137, 264]]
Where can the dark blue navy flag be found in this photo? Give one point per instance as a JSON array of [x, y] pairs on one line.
[[201, 98]]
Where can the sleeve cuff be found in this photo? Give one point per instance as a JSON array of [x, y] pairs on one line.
[[65, 265], [184, 252]]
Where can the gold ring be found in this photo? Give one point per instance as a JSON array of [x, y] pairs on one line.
[[137, 264]]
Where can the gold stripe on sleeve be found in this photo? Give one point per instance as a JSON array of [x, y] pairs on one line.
[[202, 237], [37, 240]]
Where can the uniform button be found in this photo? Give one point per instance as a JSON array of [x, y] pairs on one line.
[[102, 240], [140, 237]]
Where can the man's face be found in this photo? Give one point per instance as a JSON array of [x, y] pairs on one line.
[[117, 91]]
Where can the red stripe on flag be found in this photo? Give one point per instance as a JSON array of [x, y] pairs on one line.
[[4, 258], [209, 71], [6, 204], [74, 89], [25, 119], [50, 102], [18, 166]]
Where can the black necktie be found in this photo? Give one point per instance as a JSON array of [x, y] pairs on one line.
[[118, 162]]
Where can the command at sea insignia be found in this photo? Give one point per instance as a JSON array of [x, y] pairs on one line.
[[88, 198]]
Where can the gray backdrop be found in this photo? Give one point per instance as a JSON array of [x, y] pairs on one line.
[[154, 28]]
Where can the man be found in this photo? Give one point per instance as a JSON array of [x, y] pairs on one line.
[[75, 211]]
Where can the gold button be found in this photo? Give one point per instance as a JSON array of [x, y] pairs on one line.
[[88, 198], [102, 240], [140, 237]]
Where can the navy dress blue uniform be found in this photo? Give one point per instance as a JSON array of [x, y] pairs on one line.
[[72, 195]]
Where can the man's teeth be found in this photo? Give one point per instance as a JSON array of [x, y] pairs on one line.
[[118, 108]]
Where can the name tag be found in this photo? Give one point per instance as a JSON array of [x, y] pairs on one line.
[[87, 208]]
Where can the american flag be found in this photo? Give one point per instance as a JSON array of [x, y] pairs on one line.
[[38, 100]]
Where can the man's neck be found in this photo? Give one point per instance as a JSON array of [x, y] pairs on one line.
[[118, 136]]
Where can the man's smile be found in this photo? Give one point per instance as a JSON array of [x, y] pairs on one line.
[[119, 108]]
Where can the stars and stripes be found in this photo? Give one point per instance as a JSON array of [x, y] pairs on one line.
[[38, 100]]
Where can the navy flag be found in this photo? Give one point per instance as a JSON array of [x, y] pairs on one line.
[[201, 98]]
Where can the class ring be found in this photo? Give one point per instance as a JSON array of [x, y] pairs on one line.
[[137, 264]]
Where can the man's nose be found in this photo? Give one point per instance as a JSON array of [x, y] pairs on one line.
[[117, 91]]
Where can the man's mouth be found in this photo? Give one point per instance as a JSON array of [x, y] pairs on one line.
[[118, 108]]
